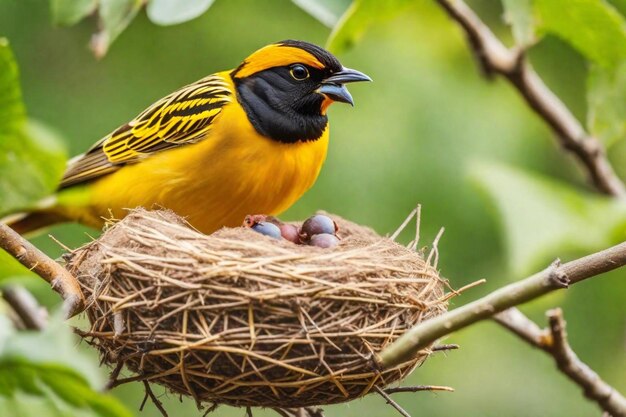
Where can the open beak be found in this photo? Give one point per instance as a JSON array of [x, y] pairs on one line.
[[333, 87]]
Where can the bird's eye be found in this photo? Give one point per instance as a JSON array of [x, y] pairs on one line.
[[299, 72]]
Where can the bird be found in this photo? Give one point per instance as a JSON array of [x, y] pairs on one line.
[[247, 140]]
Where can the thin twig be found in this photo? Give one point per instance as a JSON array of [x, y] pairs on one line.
[[157, 403], [445, 347], [32, 258], [391, 402], [211, 409], [31, 314], [554, 342], [418, 388], [515, 321], [406, 221], [113, 377], [314, 411], [555, 277], [418, 224], [496, 59], [456, 293], [435, 249], [281, 412], [300, 412]]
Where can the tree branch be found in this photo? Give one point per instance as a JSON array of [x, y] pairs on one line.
[[391, 402], [555, 277], [554, 342], [300, 412], [32, 258], [418, 388], [496, 59], [155, 400], [25, 306]]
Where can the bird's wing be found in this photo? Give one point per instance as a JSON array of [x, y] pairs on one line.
[[181, 118]]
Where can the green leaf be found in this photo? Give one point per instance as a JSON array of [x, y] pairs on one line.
[[620, 5], [595, 28], [64, 389], [606, 101], [31, 164], [12, 111], [519, 15], [358, 17], [115, 16], [327, 12], [172, 12], [38, 367], [11, 269], [60, 349], [32, 158], [70, 12], [542, 218]]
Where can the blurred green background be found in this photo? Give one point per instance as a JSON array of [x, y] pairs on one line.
[[414, 136]]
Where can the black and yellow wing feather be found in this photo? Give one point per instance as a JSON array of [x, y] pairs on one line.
[[181, 118]]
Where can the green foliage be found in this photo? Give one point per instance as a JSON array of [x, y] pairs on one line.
[[326, 11], [31, 164], [358, 17], [606, 99], [12, 112], [42, 371], [10, 268], [543, 218], [32, 159], [598, 31], [620, 5], [171, 12], [593, 27], [114, 16], [70, 12], [519, 15], [350, 21]]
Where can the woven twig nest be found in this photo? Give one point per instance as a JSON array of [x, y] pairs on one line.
[[242, 319]]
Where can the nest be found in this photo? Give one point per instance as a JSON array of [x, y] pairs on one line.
[[242, 319]]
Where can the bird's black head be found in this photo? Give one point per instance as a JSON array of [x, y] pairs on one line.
[[285, 89]]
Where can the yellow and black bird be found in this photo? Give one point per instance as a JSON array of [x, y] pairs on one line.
[[248, 140]]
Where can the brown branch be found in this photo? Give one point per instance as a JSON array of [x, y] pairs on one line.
[[300, 412], [526, 329], [281, 412], [31, 314], [554, 342], [445, 347], [32, 258], [149, 394], [496, 59], [391, 402], [553, 278], [418, 388]]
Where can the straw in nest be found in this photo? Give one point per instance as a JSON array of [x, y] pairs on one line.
[[246, 320]]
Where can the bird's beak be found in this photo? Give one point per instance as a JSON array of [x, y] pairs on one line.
[[333, 87]]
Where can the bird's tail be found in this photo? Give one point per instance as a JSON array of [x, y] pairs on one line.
[[42, 215], [24, 223]]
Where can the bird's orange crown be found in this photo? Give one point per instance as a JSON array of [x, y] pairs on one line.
[[285, 53]]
